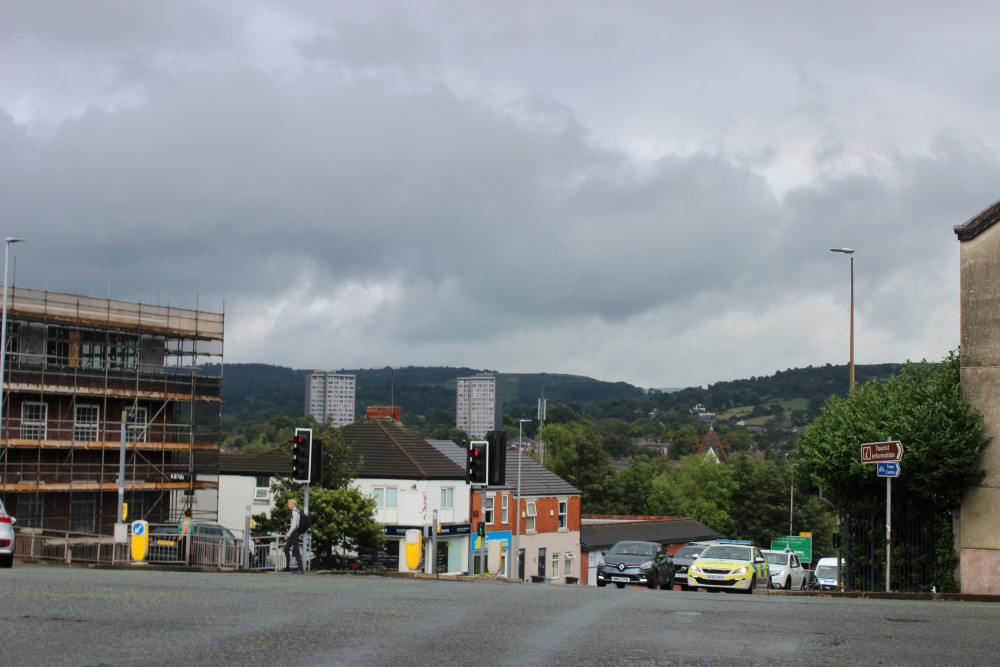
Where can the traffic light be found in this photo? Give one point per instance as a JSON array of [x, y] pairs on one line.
[[316, 463], [301, 454], [475, 469], [497, 455]]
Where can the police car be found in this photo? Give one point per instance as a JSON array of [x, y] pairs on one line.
[[730, 565]]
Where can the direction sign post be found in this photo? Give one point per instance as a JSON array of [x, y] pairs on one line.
[[887, 456], [888, 469]]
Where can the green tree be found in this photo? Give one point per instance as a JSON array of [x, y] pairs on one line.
[[922, 407], [703, 490], [574, 452], [342, 517]]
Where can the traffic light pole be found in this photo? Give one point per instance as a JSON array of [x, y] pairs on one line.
[[305, 537]]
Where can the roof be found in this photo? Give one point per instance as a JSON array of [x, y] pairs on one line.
[[711, 444], [596, 535], [389, 450], [272, 463], [536, 479], [453, 451], [979, 223]]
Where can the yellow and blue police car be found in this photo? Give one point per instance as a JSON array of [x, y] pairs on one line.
[[731, 565]]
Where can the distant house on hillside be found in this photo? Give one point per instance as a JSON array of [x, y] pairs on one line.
[[712, 446]]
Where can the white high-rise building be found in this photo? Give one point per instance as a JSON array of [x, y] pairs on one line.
[[330, 396], [479, 404]]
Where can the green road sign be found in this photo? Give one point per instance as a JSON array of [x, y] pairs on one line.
[[803, 546]]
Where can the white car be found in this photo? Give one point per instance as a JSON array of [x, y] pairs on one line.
[[6, 537], [786, 570]]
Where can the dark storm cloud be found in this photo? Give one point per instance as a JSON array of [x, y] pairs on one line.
[[478, 191]]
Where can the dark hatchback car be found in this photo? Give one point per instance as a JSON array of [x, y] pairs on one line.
[[682, 559], [637, 563]]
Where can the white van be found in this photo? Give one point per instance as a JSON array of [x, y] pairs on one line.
[[827, 574]]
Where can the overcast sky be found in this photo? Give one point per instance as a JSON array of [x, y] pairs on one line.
[[643, 191]]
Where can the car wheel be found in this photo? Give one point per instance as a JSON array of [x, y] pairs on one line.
[[685, 587], [753, 585], [7, 560], [602, 584], [788, 583], [620, 585]]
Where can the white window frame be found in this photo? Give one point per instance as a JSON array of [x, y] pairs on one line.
[[556, 557], [138, 422], [488, 514], [262, 492], [447, 497], [381, 496], [530, 512], [34, 426], [568, 563], [564, 514], [505, 509], [84, 429]]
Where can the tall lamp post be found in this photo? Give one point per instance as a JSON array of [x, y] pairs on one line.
[[850, 251], [517, 504], [3, 325]]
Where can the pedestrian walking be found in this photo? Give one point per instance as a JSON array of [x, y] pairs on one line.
[[184, 535], [292, 539]]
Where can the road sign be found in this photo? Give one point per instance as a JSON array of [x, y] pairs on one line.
[[803, 546], [876, 452], [888, 469]]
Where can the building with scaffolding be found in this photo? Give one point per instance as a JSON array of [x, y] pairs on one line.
[[94, 386]]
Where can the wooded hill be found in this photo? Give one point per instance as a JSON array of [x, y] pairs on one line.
[[254, 393]]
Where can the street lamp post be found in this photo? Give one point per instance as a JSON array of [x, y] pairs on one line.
[[791, 498], [517, 504], [850, 251], [3, 325]]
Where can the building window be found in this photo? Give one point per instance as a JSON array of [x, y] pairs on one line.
[[82, 515], [529, 523], [136, 430], [504, 515], [34, 418], [568, 564], [555, 565], [488, 509], [262, 488], [447, 497], [563, 514], [385, 497], [85, 423]]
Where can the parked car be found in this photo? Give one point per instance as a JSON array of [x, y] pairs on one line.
[[6, 537], [640, 563], [730, 565], [828, 574], [683, 559], [786, 570], [207, 539]]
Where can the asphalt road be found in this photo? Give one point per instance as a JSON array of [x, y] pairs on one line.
[[54, 615]]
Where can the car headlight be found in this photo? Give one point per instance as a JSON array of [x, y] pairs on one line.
[[694, 568], [648, 565], [743, 570]]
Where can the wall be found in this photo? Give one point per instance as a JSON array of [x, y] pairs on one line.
[[977, 529]]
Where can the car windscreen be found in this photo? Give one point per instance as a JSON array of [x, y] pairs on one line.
[[726, 553], [688, 552], [776, 559], [631, 549], [826, 572]]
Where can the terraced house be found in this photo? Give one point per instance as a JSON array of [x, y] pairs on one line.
[[85, 375]]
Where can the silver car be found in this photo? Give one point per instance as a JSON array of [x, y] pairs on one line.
[[6, 537]]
